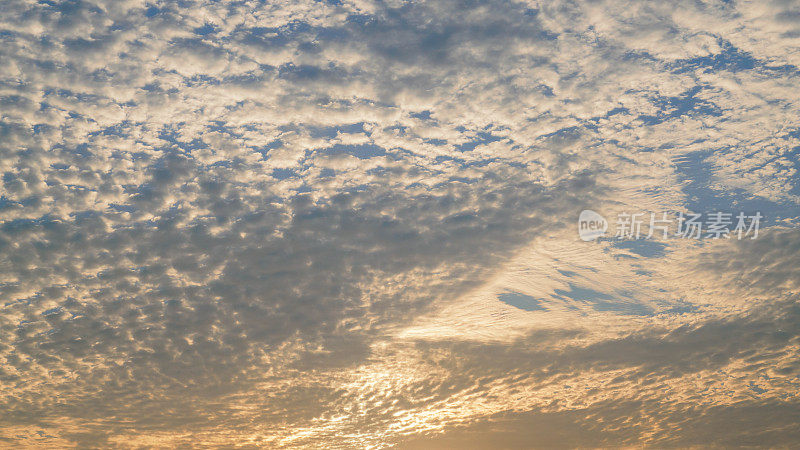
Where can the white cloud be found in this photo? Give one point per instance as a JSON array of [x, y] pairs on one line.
[[240, 203]]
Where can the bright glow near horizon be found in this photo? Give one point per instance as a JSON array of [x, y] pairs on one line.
[[354, 224]]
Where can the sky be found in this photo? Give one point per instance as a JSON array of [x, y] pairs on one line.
[[355, 223]]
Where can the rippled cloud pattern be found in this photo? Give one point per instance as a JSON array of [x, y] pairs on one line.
[[353, 223]]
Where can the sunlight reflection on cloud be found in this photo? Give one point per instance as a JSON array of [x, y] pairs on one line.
[[294, 223]]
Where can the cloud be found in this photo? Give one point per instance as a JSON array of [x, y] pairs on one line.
[[285, 223]]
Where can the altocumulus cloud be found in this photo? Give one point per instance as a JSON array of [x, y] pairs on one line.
[[251, 223]]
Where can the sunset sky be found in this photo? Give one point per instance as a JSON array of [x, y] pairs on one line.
[[354, 223]]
